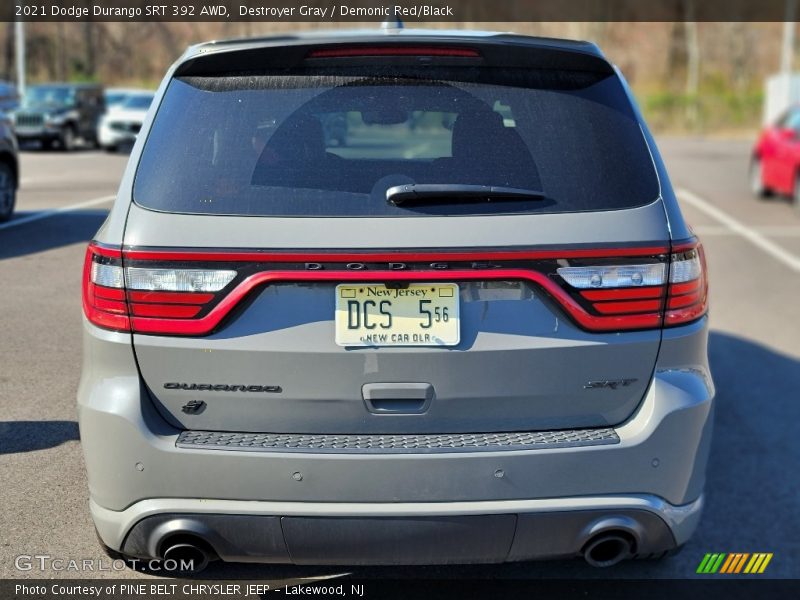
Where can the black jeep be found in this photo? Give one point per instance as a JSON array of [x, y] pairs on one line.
[[60, 112]]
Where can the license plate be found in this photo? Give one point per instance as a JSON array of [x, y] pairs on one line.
[[422, 314]]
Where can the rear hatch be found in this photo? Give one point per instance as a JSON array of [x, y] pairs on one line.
[[396, 238]]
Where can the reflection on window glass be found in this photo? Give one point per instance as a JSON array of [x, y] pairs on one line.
[[417, 135], [332, 144]]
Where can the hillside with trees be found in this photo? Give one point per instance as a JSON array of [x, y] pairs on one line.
[[701, 77]]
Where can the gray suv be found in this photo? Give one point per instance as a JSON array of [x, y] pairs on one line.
[[476, 332]]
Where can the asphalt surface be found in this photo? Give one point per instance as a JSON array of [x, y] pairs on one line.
[[753, 249]]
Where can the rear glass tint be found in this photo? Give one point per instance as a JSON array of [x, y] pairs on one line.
[[322, 142]]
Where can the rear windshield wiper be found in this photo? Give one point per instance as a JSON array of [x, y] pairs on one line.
[[448, 192]]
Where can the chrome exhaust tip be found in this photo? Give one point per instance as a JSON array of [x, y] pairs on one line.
[[608, 549], [188, 557]]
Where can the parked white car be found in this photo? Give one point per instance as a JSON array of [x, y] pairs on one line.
[[120, 125], [114, 97]]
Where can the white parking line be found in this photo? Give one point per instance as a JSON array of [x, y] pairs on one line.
[[750, 234], [708, 230], [780, 230], [55, 211], [27, 182], [770, 230]]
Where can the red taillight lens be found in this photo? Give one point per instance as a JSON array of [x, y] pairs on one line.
[[643, 294], [687, 296], [152, 300], [619, 294], [170, 292], [103, 289]]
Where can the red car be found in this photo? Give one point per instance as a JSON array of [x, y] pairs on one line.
[[775, 166]]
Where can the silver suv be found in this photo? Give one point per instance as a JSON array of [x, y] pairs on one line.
[[471, 329]]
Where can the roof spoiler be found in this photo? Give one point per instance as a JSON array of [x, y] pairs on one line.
[[293, 52]]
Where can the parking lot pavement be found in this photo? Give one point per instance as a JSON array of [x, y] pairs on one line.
[[753, 500]]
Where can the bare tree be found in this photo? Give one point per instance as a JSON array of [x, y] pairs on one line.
[[692, 65], [90, 63], [61, 51], [8, 65]]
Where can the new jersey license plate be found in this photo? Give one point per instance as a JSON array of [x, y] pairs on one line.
[[421, 314]]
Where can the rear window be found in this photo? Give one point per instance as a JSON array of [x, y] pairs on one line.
[[322, 142]]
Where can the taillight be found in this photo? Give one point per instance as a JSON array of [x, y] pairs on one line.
[[642, 295], [191, 292], [363, 51], [614, 276], [687, 297], [178, 280], [151, 300], [623, 296], [104, 289]]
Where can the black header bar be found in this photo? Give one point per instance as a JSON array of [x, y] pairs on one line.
[[408, 11]]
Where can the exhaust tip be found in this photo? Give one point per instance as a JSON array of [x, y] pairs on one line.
[[608, 549], [188, 557]]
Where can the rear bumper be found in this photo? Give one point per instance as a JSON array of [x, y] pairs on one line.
[[404, 533], [651, 478]]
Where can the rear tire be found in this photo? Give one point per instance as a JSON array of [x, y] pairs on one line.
[[8, 191], [67, 139], [796, 193], [757, 187]]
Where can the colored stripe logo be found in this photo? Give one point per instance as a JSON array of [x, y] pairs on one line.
[[734, 563]]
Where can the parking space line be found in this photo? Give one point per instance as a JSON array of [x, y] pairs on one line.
[[750, 234], [769, 230], [780, 230], [55, 211], [705, 230]]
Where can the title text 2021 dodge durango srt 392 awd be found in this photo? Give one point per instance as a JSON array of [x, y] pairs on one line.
[[473, 329]]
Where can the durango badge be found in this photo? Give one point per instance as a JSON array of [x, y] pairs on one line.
[[222, 387]]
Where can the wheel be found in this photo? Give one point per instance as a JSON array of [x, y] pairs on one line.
[[757, 186], [111, 149], [67, 139], [47, 144], [796, 193], [8, 191]]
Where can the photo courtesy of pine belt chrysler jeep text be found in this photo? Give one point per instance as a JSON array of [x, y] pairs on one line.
[[397, 297]]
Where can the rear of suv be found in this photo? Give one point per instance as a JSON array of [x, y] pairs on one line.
[[474, 330]]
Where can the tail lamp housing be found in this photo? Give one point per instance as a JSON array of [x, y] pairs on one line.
[[687, 292], [173, 292], [134, 298], [671, 291]]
